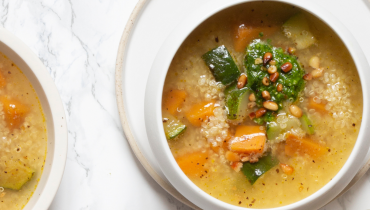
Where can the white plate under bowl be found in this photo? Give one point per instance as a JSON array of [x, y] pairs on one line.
[[51, 103], [144, 34]]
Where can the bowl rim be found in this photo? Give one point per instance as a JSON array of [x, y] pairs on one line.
[[153, 99], [53, 109]]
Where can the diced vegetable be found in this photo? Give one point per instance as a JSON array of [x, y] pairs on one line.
[[232, 156], [174, 100], [192, 164], [243, 35], [254, 170], [172, 126], [319, 107], [302, 146], [222, 65], [14, 112], [200, 112], [287, 169], [14, 175], [307, 125], [2, 81], [236, 102], [298, 30], [250, 139], [273, 129]]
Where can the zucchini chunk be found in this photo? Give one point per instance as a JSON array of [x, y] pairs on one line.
[[222, 65], [253, 171], [172, 126], [14, 175], [307, 125], [236, 101], [273, 129], [297, 29]]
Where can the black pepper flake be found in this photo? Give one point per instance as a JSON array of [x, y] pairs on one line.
[[329, 150], [353, 124], [254, 200], [313, 161], [240, 202], [216, 39], [9, 72], [277, 170], [250, 204]]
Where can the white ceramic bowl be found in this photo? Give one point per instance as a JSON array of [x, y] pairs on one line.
[[51, 103], [153, 114]]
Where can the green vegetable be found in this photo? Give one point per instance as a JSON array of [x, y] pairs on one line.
[[172, 126], [307, 125], [273, 129], [236, 102], [292, 81], [254, 170], [14, 175], [297, 29], [222, 65]]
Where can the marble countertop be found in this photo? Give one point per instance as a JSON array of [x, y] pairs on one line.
[[77, 40]]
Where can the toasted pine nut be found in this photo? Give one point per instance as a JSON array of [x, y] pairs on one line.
[[272, 69], [242, 81], [274, 77], [272, 62], [296, 111], [258, 61], [266, 58], [270, 105], [279, 88], [252, 97], [287, 169], [265, 81], [252, 115], [251, 105], [291, 50], [314, 62], [317, 73], [286, 67], [307, 77], [266, 95], [260, 112]]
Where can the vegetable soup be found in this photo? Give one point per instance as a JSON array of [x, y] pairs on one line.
[[23, 137], [262, 105]]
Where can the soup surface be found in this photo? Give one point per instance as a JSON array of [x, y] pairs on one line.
[[23, 137], [262, 105]]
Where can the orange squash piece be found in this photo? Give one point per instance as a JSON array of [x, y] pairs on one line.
[[174, 100], [302, 146], [192, 164], [200, 112], [251, 140], [319, 107], [243, 35], [2, 81], [14, 112]]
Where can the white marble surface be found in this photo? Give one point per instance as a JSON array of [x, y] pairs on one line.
[[77, 40]]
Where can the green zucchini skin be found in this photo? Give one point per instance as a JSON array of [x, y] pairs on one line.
[[307, 125], [172, 127], [236, 101], [253, 171], [222, 65]]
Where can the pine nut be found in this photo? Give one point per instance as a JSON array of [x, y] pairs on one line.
[[265, 81], [274, 77], [258, 61], [272, 69], [242, 81], [251, 105], [266, 95], [270, 105], [252, 97], [296, 111], [317, 73], [272, 62], [266, 58], [307, 77], [314, 62], [286, 67], [291, 50], [260, 112], [279, 88], [252, 115]]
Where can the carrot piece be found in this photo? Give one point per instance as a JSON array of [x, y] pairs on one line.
[[174, 100], [200, 112], [251, 140], [244, 34], [320, 107], [192, 164], [2, 81], [14, 112], [301, 146], [232, 156], [287, 169]]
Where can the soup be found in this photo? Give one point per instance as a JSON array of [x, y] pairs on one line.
[[23, 137], [262, 105]]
